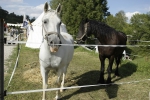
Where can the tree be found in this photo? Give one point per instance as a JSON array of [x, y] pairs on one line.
[[111, 21], [118, 22], [140, 31], [54, 3], [73, 11], [3, 13], [121, 20], [13, 18], [32, 20], [27, 17], [140, 24]]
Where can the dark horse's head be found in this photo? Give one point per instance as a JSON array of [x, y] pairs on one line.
[[83, 32]]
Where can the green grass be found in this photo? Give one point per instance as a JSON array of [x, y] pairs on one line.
[[83, 70]]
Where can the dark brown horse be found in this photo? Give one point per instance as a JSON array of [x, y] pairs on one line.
[[106, 36]]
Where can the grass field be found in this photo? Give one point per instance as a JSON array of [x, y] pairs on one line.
[[83, 70]]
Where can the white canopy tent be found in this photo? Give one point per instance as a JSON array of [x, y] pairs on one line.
[[35, 36]]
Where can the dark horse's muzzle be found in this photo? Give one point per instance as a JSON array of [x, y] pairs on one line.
[[81, 40]]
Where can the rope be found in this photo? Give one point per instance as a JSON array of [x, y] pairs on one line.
[[11, 41], [74, 87], [13, 70]]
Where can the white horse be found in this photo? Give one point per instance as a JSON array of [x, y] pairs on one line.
[[54, 56]]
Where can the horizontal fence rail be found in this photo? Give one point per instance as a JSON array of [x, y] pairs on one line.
[[21, 42], [74, 87], [139, 40]]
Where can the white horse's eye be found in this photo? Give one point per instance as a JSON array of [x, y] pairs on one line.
[[45, 22], [51, 42]]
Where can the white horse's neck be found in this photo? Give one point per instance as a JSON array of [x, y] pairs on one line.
[[46, 47], [45, 43]]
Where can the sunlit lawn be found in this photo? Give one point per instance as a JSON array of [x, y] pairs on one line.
[[83, 70]]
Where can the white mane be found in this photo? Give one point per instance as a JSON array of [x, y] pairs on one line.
[[63, 28]]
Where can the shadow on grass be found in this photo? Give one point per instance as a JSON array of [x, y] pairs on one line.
[[126, 70], [91, 78]]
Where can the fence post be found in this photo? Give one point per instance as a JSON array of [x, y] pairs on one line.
[[1, 59]]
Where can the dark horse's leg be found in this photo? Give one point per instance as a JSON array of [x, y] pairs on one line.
[[101, 78], [118, 59], [109, 69]]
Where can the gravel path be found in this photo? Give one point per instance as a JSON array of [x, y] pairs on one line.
[[8, 49]]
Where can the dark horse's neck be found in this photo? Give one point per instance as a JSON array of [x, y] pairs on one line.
[[101, 31]]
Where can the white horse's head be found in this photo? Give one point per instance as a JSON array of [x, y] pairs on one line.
[[51, 21], [51, 26]]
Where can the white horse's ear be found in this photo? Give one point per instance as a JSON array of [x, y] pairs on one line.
[[58, 9], [46, 7]]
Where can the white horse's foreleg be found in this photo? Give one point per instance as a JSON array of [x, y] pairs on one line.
[[63, 78], [44, 74], [58, 95], [62, 83]]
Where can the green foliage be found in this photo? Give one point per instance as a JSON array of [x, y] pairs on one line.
[[12, 17], [118, 22], [32, 19], [140, 31], [3, 13], [140, 24], [54, 3], [73, 11], [138, 28]]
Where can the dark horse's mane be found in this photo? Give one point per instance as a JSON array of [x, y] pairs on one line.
[[101, 28]]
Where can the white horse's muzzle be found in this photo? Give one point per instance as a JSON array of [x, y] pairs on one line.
[[54, 49]]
